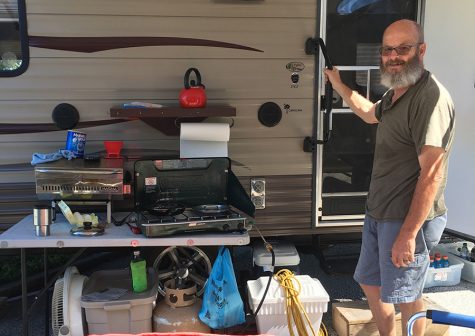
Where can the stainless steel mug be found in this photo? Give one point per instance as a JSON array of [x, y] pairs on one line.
[[42, 219]]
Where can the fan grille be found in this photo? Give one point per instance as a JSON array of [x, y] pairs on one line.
[[57, 317]]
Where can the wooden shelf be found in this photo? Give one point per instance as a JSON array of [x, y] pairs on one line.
[[167, 119], [173, 112]]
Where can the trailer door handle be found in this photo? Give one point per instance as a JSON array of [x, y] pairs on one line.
[[327, 122]]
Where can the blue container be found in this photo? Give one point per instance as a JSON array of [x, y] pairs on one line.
[[76, 142]]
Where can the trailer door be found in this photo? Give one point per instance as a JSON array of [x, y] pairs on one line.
[[353, 31]]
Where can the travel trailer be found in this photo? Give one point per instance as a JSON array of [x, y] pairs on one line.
[[71, 65]]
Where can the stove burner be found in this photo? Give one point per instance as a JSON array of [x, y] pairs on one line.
[[167, 209], [190, 220], [188, 215], [211, 209]]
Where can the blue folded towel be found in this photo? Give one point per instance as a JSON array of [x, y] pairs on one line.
[[42, 158]]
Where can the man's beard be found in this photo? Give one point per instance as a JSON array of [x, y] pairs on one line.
[[411, 71]]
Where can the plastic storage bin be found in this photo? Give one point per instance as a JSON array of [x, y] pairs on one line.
[[131, 313], [446, 276], [272, 317], [468, 271]]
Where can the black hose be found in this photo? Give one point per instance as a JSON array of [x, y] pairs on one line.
[[271, 274], [123, 220]]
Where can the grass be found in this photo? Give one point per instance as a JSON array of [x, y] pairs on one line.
[[10, 269]]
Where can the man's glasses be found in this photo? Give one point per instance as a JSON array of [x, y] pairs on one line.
[[401, 50]]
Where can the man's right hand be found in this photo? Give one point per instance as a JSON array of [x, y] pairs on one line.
[[333, 76]]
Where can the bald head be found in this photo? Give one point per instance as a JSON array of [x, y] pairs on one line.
[[402, 54], [405, 29]]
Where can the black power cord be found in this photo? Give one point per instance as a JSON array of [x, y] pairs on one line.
[[271, 274]]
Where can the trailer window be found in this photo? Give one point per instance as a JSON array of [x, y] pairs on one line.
[[13, 38], [354, 32]]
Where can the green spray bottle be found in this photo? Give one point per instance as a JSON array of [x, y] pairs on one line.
[[138, 269]]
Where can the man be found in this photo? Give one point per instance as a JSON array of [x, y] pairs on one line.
[[405, 209]]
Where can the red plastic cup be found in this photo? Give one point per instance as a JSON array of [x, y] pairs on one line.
[[113, 148]]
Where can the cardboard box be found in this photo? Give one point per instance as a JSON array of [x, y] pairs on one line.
[[355, 319]]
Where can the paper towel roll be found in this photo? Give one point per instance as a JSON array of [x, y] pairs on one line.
[[204, 140], [204, 131]]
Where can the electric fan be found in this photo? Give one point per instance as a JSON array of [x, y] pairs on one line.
[[66, 314]]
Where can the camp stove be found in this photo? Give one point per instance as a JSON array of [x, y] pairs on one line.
[[191, 220], [185, 196]]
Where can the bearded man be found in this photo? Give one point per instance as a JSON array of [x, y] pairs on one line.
[[405, 209]]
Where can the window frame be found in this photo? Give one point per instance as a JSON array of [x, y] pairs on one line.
[[24, 45]]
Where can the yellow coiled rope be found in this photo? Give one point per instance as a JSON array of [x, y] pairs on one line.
[[295, 310]]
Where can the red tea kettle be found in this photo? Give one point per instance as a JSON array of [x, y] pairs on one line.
[[193, 94]]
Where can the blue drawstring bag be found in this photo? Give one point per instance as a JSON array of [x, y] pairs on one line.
[[222, 304]]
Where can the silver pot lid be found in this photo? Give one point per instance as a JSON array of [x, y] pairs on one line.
[[87, 230]]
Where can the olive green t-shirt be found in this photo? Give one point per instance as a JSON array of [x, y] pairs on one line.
[[424, 115]]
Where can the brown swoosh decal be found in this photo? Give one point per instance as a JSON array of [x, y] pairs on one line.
[[50, 127], [94, 44]]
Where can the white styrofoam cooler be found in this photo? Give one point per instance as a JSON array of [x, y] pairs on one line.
[[271, 318]]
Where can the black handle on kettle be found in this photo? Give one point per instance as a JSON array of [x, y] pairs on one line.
[[327, 127], [187, 77]]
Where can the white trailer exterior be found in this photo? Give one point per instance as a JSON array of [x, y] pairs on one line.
[[270, 36], [448, 30]]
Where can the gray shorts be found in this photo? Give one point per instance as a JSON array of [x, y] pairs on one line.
[[375, 268]]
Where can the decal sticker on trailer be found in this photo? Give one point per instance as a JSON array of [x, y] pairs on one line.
[[295, 66]]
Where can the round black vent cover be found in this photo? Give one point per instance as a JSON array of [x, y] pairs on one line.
[[65, 116], [269, 114]]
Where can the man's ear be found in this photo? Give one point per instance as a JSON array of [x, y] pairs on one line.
[[422, 49]]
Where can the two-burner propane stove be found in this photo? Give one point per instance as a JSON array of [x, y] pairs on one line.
[[187, 196], [192, 220]]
